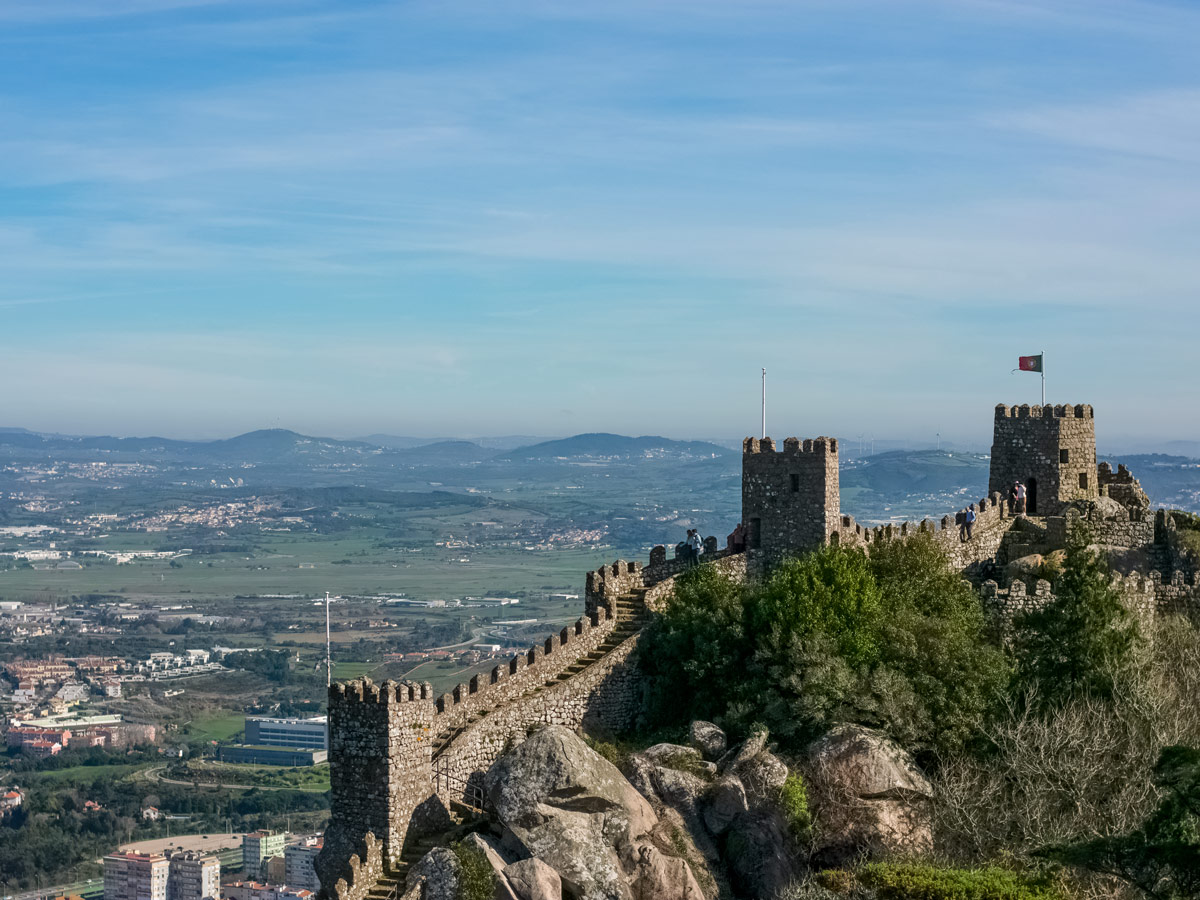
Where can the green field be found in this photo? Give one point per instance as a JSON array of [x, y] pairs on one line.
[[314, 779], [344, 671], [87, 774], [275, 567], [219, 726]]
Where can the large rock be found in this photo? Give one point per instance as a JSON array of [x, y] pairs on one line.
[[708, 739], [760, 855], [723, 802], [655, 875], [572, 809], [751, 747], [441, 872], [762, 775], [532, 879], [870, 797], [677, 756]]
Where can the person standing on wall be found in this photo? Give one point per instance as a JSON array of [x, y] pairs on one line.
[[960, 519], [969, 520]]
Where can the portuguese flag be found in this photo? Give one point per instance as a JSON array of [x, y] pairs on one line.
[[1030, 363]]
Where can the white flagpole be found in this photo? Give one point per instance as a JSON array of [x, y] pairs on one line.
[[1043, 378], [764, 402]]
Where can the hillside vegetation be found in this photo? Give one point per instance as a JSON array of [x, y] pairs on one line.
[[1070, 750]]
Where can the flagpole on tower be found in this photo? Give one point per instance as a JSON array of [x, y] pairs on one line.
[[764, 402], [1043, 378]]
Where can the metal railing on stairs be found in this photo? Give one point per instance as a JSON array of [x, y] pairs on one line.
[[467, 792]]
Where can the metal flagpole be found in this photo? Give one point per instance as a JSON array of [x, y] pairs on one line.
[[328, 646], [764, 403], [1043, 378]]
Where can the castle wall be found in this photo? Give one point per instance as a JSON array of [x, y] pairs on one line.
[[523, 672], [607, 694], [790, 497], [1004, 606], [1056, 445], [379, 766], [992, 523], [1178, 595]]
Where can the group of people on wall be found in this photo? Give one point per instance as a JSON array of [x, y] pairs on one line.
[[965, 518]]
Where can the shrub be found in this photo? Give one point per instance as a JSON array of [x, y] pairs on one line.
[[615, 753], [1077, 769], [476, 880], [691, 763], [699, 648], [793, 801], [917, 881]]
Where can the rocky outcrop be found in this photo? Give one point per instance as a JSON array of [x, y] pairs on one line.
[[565, 805], [532, 879], [724, 802], [440, 872], [871, 798], [728, 811], [708, 739]]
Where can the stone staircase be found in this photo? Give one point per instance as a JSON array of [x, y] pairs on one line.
[[1027, 535], [631, 614]]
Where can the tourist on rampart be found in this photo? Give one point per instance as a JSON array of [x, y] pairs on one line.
[[969, 520], [695, 545], [960, 519], [1020, 488]]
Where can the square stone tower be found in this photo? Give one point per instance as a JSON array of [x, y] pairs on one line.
[[1049, 449], [790, 499]]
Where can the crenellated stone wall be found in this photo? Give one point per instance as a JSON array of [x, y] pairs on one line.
[[1140, 595]]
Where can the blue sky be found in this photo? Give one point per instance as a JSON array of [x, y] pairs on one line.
[[553, 217]]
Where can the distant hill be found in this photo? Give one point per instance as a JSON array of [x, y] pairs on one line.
[[492, 442], [443, 453], [260, 447], [906, 472], [616, 446]]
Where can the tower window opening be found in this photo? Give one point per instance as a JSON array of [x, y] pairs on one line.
[[795, 484], [1064, 456], [1083, 480]]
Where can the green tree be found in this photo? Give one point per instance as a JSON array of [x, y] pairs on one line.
[[698, 647], [895, 641], [1082, 642]]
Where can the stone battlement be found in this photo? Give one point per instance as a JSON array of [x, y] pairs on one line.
[[1058, 411], [363, 690], [1141, 594], [526, 670], [821, 446]]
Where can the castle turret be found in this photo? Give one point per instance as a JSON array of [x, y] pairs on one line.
[[790, 500], [380, 769], [1049, 449]]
